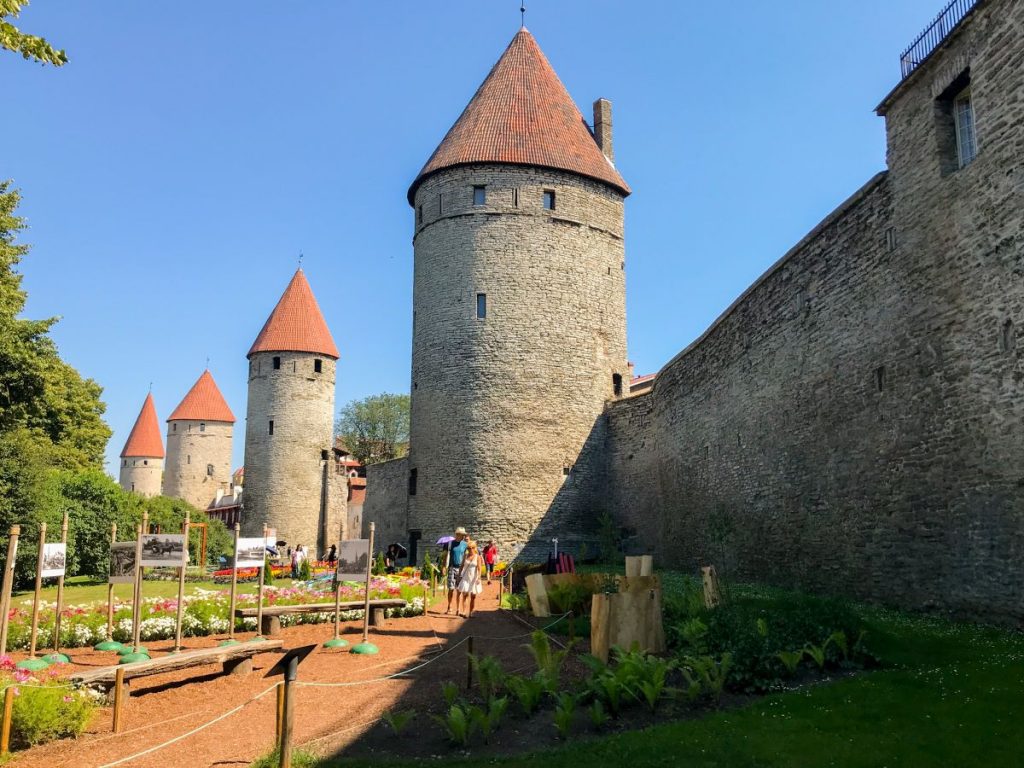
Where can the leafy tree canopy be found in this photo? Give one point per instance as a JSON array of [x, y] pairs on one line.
[[376, 428], [29, 46]]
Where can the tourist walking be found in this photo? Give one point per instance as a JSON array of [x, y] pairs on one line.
[[298, 558], [490, 558], [455, 553], [332, 555], [470, 584]]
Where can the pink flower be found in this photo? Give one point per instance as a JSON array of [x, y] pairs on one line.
[[67, 699], [22, 675]]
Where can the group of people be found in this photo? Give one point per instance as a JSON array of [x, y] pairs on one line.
[[467, 568]]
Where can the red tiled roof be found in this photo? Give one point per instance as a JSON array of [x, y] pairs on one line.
[[204, 402], [296, 324], [145, 439], [523, 115], [641, 379]]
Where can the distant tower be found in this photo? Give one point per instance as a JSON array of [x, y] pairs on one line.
[[519, 312], [199, 434], [290, 481], [142, 459]]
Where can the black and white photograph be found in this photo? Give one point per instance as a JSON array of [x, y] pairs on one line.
[[251, 553], [54, 559], [163, 550], [353, 556], [122, 562]]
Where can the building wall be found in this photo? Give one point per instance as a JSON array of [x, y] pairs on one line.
[[853, 423], [198, 460], [385, 502], [502, 407], [289, 477], [142, 475]]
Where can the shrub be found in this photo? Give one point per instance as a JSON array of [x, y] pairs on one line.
[[527, 691], [397, 721], [549, 663], [457, 725], [45, 708], [487, 718], [489, 674], [570, 596], [305, 571], [565, 710]]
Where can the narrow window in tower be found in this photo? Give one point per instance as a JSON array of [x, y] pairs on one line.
[[202, 427], [318, 366], [209, 470], [963, 119], [880, 378], [323, 455], [293, 366], [145, 462], [188, 458], [270, 427], [515, 196], [419, 214], [133, 486], [412, 481], [440, 204], [126, 462], [481, 306], [479, 195], [549, 199], [174, 427], [617, 384], [277, 363], [134, 462]]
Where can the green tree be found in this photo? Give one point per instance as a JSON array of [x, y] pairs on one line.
[[376, 428], [29, 46]]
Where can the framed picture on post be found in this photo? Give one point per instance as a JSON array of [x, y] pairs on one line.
[[353, 557], [251, 553], [164, 550], [54, 559], [122, 562]]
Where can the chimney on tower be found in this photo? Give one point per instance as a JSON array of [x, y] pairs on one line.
[[603, 127]]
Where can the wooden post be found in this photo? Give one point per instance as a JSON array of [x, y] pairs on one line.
[[39, 586], [137, 602], [501, 589], [110, 590], [279, 718], [288, 711], [5, 729], [469, 663], [234, 582], [259, 589], [181, 584], [5, 590], [118, 699], [337, 590], [60, 585], [369, 575], [572, 627]]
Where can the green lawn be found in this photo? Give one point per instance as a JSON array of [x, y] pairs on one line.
[[949, 695], [80, 590]]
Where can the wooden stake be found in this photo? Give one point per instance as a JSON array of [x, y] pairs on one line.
[[5, 590], [369, 575], [259, 590], [5, 729], [288, 711], [137, 603], [234, 584], [337, 590], [181, 583], [39, 587], [469, 663], [118, 699], [279, 719], [60, 586], [110, 590]]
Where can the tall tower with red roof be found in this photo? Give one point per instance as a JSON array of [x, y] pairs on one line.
[[519, 324], [199, 439], [290, 483], [142, 459]]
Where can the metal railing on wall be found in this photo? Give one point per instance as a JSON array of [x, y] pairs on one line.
[[934, 34]]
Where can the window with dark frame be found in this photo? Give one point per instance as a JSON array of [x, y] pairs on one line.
[[412, 481], [617, 384], [202, 427], [318, 366], [957, 134], [549, 199], [479, 195], [419, 214], [963, 121], [270, 427], [481, 306], [277, 363], [209, 470]]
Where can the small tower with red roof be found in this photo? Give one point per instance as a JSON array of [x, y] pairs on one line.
[[199, 438], [142, 459], [290, 483]]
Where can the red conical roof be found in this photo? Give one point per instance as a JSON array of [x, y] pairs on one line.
[[523, 115], [145, 439], [204, 402], [296, 324]]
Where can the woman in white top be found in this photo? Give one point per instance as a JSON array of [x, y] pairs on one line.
[[470, 585]]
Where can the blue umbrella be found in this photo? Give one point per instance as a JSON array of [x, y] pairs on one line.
[[445, 540]]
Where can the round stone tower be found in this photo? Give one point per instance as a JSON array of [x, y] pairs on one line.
[[289, 424], [519, 323], [199, 436], [142, 460]]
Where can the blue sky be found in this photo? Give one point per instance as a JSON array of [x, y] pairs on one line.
[[175, 168]]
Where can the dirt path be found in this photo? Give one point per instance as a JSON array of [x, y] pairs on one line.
[[328, 718]]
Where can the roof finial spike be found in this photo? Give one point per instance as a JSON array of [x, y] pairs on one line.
[[300, 259], [151, 387], [522, 16], [207, 362]]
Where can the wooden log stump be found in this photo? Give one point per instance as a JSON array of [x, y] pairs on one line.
[[238, 666], [270, 626], [377, 618]]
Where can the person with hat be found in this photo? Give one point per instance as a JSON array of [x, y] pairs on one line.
[[456, 552]]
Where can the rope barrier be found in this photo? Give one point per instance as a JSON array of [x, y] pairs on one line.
[[396, 675], [193, 732]]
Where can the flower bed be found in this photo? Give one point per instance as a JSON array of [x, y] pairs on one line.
[[205, 612], [46, 707]]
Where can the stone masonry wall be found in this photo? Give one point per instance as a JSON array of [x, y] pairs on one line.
[[142, 475], [198, 460], [386, 500], [503, 407], [853, 423], [285, 472]]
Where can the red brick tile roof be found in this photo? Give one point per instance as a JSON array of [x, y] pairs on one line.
[[523, 115], [296, 324], [145, 439], [204, 402]]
